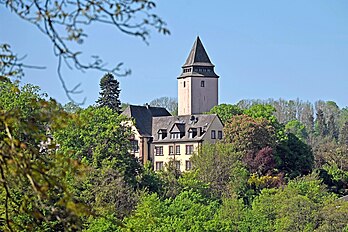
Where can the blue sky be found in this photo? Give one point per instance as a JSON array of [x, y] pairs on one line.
[[261, 49]]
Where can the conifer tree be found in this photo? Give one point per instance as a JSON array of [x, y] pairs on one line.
[[332, 127], [110, 93], [320, 124]]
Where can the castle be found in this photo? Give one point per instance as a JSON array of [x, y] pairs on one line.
[[160, 137]]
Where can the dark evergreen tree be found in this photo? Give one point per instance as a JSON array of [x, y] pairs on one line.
[[332, 128], [110, 93], [320, 124]]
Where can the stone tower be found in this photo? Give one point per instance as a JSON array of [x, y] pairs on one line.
[[198, 83]]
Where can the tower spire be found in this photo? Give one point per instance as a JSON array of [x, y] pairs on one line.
[[198, 62], [198, 55]]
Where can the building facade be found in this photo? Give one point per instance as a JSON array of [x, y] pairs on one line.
[[160, 137], [176, 138]]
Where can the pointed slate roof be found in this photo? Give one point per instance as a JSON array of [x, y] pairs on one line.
[[198, 63], [198, 55]]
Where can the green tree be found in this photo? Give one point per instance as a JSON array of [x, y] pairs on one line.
[[262, 111], [220, 166], [188, 211], [34, 191], [110, 93], [225, 111], [298, 129], [292, 208], [99, 137], [249, 135], [293, 156]]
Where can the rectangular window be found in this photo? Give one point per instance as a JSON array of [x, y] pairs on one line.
[[188, 165], [189, 149], [202, 83], [159, 166], [171, 150], [134, 144], [159, 150], [184, 84], [219, 134], [213, 134], [177, 149], [177, 165]]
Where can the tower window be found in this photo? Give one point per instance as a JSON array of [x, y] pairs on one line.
[[184, 84], [202, 83]]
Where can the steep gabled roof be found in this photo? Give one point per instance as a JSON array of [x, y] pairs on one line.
[[143, 117], [198, 55]]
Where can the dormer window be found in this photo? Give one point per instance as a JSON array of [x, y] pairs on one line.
[[177, 131], [175, 135], [192, 133], [162, 134]]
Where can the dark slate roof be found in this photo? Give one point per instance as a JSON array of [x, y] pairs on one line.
[[143, 117], [198, 55], [202, 122], [198, 63]]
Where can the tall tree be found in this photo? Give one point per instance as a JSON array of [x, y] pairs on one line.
[[320, 123], [110, 93]]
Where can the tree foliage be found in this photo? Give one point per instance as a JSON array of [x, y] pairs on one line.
[[110, 93], [225, 111], [34, 192]]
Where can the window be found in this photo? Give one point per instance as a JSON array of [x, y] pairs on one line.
[[188, 165], [192, 133], [189, 149], [219, 134], [202, 83], [171, 150], [213, 134], [134, 145], [162, 134], [175, 135], [177, 149], [184, 84], [159, 166], [159, 150], [177, 165]]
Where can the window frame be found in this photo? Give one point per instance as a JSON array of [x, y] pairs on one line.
[[189, 148], [220, 134], [213, 134], [159, 150], [171, 150], [177, 151], [159, 164], [188, 165]]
